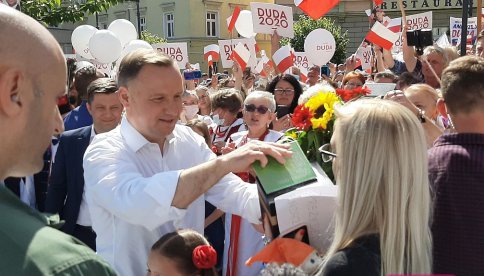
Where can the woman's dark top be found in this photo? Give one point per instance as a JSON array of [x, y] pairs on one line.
[[361, 258]]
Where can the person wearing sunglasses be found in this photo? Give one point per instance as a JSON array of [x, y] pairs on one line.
[[242, 241], [382, 220]]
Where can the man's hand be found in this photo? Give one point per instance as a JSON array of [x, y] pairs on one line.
[[241, 159]]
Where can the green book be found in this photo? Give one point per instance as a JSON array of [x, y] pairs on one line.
[[277, 178]]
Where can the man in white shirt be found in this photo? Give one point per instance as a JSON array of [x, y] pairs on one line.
[[65, 194], [150, 176]]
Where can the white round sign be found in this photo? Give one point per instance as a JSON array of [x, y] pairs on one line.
[[124, 30], [80, 40], [245, 25], [319, 46]]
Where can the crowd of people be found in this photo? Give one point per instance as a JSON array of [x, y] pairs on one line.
[[149, 173]]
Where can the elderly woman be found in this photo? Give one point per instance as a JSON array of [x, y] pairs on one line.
[[286, 90], [242, 241], [204, 103], [226, 105], [353, 80], [424, 97], [383, 213]]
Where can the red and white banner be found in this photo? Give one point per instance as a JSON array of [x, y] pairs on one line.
[[364, 54], [419, 21], [456, 27], [211, 50], [177, 51], [259, 69], [269, 17], [381, 36], [303, 74], [241, 55], [301, 60], [210, 61], [226, 47], [283, 58], [233, 18], [316, 8]]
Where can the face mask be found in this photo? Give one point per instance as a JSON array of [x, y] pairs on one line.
[[217, 120], [191, 111]]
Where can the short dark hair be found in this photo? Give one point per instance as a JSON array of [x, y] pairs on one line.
[[102, 85], [294, 83], [228, 99], [463, 84], [133, 62], [83, 78]]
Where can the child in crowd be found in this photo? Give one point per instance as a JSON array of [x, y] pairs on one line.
[[180, 253]]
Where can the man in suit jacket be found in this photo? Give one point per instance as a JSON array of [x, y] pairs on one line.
[[40, 183], [66, 190]]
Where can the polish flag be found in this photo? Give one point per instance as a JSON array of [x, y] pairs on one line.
[[382, 36], [259, 69], [378, 2], [394, 25], [211, 50], [233, 18], [241, 55], [303, 74], [283, 58], [316, 8], [210, 61]]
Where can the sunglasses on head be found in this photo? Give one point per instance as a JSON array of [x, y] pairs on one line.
[[261, 109]]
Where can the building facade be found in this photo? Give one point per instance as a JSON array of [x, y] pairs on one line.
[[351, 16], [197, 22]]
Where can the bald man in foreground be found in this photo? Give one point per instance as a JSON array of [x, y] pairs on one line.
[[32, 77]]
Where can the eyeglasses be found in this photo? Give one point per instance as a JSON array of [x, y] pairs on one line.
[[252, 108], [281, 91], [326, 153], [353, 84]]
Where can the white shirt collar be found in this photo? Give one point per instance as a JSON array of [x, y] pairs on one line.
[[134, 139], [93, 132]]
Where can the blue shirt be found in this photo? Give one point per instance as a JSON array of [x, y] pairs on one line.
[[78, 117]]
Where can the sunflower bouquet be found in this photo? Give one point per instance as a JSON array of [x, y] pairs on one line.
[[313, 123]]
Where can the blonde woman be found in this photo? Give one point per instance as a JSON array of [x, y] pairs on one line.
[[380, 163]]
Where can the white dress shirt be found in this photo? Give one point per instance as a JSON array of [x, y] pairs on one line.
[[27, 191], [130, 185]]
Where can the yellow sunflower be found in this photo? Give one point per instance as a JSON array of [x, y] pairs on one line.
[[321, 105]]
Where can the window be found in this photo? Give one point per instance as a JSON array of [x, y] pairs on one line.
[[212, 24], [169, 25], [142, 24]]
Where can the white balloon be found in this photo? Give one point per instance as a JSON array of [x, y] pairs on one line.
[[244, 24], [105, 46], [80, 40], [124, 29], [319, 46], [134, 45]]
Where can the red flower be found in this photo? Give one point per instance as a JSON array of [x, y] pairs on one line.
[[301, 118], [348, 95], [204, 257]]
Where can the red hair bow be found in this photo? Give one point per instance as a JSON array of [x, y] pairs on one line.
[[204, 257]]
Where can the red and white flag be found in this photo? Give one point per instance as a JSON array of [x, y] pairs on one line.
[[233, 18], [259, 69], [283, 58], [394, 25], [381, 36], [210, 61], [315, 8], [241, 55], [211, 50], [303, 74]]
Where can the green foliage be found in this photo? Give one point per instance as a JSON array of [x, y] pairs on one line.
[[55, 12], [151, 38], [304, 25]]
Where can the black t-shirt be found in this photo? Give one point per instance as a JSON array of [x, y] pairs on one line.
[[361, 258]]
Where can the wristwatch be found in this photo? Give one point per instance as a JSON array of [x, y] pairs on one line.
[[421, 115]]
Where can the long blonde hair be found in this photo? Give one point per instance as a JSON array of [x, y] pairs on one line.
[[381, 171]]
